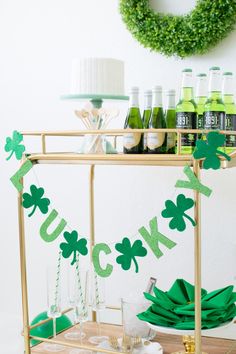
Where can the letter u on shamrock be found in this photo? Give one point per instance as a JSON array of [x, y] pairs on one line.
[[177, 212]]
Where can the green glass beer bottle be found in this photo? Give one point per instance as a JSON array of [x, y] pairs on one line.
[[230, 108], [201, 97], [214, 108], [186, 112], [170, 121], [156, 142], [133, 142], [146, 116]]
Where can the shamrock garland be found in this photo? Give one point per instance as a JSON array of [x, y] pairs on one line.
[[73, 245], [129, 253], [177, 212], [195, 33], [14, 145], [35, 200], [209, 150]]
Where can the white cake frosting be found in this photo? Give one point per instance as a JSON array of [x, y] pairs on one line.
[[97, 76]]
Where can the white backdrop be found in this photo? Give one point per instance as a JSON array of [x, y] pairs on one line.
[[38, 41]]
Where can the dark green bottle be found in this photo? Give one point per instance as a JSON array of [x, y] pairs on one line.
[[186, 113], [170, 121], [156, 142], [230, 107], [214, 108], [146, 116], [133, 142]]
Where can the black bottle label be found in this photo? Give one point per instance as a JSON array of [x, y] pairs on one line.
[[214, 120], [187, 120], [200, 121], [230, 124]]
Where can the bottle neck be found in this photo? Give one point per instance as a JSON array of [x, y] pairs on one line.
[[147, 102], [228, 85], [187, 86], [187, 93], [134, 100], [215, 83], [228, 99], [157, 99], [170, 102], [201, 88]]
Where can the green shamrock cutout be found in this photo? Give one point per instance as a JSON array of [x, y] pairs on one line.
[[129, 253], [177, 212], [13, 145], [35, 200], [73, 245], [208, 150]]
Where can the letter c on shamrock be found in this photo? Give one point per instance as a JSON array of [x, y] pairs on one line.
[[101, 247]]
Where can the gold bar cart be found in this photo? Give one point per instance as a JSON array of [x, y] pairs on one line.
[[45, 157]]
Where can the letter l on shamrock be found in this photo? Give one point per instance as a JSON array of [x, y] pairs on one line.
[[154, 237]]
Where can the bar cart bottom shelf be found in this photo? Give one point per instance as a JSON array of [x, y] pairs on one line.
[[172, 344]]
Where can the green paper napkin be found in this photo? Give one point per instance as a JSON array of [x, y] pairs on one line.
[[175, 308]]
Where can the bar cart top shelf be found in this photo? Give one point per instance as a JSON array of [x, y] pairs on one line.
[[178, 159]]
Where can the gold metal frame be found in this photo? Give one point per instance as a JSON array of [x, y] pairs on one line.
[[117, 159]]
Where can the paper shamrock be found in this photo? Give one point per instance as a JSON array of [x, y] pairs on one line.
[[35, 200], [73, 245], [209, 150], [13, 145], [177, 212], [129, 253]]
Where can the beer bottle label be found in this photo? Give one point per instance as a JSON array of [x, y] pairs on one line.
[[131, 140], [171, 140], [155, 140], [214, 120], [187, 120], [200, 121], [230, 124]]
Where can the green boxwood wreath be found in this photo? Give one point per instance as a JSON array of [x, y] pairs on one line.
[[195, 33]]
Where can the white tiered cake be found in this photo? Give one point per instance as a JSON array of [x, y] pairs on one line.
[[97, 76]]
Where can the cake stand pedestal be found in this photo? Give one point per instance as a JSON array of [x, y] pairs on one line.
[[96, 100]]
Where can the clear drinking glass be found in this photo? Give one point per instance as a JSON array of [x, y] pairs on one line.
[[98, 304], [78, 296], [54, 302], [133, 327]]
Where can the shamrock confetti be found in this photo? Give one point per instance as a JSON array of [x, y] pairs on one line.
[[129, 253], [35, 200], [208, 150], [177, 212], [13, 145], [73, 245]]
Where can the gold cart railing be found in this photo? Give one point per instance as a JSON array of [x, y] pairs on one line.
[[178, 159]]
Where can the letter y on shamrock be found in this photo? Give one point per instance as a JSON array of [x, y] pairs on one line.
[[209, 150], [177, 212]]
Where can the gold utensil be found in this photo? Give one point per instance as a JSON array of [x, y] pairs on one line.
[[126, 344], [136, 341], [114, 342]]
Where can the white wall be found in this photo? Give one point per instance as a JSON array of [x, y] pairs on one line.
[[38, 41]]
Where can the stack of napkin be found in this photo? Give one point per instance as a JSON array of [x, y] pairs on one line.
[[175, 308]]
